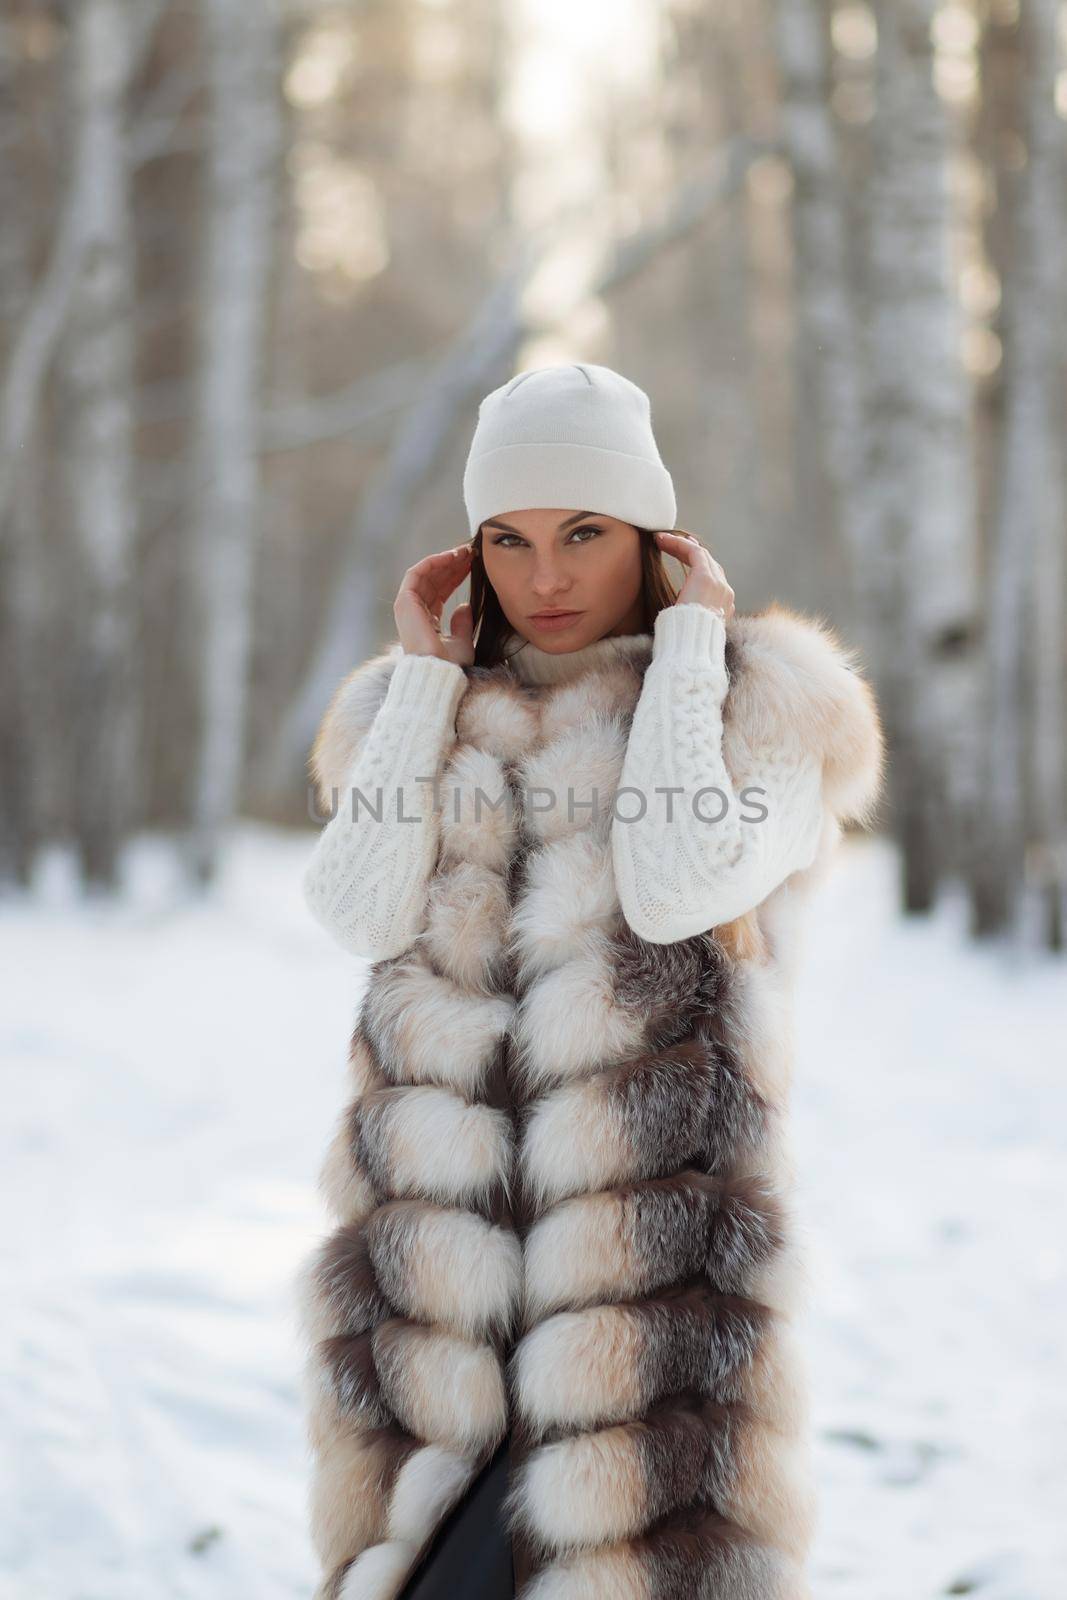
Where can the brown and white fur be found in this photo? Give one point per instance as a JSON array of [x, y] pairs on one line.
[[561, 1190]]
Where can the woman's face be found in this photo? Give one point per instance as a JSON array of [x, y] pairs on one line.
[[575, 561]]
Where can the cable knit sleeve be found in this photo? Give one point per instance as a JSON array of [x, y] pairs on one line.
[[732, 791], [381, 746]]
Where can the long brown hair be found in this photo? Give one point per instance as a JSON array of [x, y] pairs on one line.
[[491, 627]]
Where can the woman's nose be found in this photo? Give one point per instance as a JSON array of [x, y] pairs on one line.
[[547, 581]]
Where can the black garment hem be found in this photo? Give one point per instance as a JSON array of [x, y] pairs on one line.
[[470, 1553]]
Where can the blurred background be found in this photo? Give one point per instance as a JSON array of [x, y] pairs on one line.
[[259, 262]]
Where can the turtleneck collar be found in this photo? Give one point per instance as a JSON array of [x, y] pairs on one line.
[[530, 664]]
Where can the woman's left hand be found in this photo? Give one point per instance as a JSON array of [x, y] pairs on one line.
[[705, 581]]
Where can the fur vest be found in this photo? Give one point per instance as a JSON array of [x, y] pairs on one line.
[[561, 1189]]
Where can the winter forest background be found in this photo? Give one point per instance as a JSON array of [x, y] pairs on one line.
[[258, 264]]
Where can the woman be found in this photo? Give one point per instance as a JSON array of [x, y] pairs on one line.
[[552, 1346]]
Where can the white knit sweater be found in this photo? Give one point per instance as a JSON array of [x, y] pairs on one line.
[[688, 860]]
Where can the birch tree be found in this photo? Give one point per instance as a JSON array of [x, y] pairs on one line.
[[1023, 788], [241, 46], [826, 377], [1044, 250], [19, 594], [97, 371], [917, 494]]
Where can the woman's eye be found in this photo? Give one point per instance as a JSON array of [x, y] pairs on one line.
[[508, 539]]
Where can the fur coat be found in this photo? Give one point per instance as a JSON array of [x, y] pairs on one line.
[[561, 1190]]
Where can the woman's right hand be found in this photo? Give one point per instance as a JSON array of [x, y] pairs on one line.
[[419, 600]]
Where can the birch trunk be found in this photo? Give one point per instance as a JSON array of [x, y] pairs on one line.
[[1045, 215], [18, 746], [916, 505], [825, 375], [98, 371], [242, 61], [1024, 779]]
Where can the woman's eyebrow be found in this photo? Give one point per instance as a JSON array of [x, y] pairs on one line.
[[494, 522]]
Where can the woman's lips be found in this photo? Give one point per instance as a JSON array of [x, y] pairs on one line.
[[563, 621]]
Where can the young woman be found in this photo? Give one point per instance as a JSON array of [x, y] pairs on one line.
[[552, 1345]]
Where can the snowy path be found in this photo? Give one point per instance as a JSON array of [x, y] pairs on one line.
[[171, 1077]]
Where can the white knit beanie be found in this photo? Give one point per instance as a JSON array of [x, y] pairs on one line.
[[576, 437]]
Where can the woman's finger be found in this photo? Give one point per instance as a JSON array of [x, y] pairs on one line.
[[705, 578], [680, 537], [437, 566], [685, 547], [435, 577]]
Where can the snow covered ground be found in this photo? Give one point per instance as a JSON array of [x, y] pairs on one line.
[[172, 1072]]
